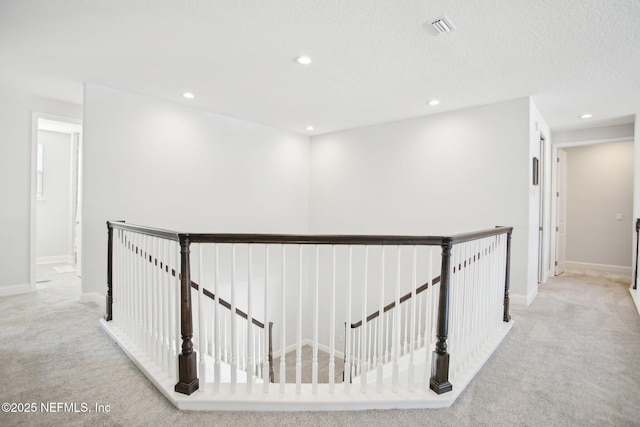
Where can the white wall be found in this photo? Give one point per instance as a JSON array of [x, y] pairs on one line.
[[16, 108], [453, 172], [165, 165], [599, 186], [54, 211]]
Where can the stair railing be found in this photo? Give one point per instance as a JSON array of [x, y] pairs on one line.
[[151, 314], [471, 297]]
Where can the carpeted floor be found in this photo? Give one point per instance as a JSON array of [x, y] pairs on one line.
[[571, 359]]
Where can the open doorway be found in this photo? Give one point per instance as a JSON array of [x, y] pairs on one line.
[[593, 212], [56, 197]]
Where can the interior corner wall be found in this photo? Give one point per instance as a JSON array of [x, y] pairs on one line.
[[16, 108], [538, 128], [166, 165], [446, 173]]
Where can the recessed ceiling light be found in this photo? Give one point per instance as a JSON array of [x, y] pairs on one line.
[[303, 60], [188, 95], [586, 116], [310, 128], [443, 25], [433, 102]]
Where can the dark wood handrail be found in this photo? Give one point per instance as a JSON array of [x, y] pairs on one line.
[[463, 264], [388, 307], [319, 239], [148, 231], [225, 304]]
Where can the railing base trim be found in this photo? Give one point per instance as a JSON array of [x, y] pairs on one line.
[[209, 400], [635, 296]]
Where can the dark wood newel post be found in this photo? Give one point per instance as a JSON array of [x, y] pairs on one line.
[[507, 279], [108, 315], [440, 361], [187, 360], [635, 276]]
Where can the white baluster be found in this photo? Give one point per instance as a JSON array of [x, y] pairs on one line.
[[146, 297], [202, 331], [387, 321], [265, 353], [428, 318], [234, 331], [250, 342], [314, 357], [397, 330], [380, 323], [177, 340], [138, 294], [413, 320], [406, 313], [299, 335], [166, 311], [283, 321], [332, 325], [155, 297], [348, 330], [364, 343], [126, 283], [420, 339], [217, 323]]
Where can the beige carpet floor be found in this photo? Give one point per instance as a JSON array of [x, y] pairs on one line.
[[572, 359]]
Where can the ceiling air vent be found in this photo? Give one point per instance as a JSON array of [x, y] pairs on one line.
[[443, 25]]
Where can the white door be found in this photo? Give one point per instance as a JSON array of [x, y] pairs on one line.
[[561, 212]]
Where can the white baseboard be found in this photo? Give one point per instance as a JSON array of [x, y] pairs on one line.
[[94, 297], [525, 300], [55, 259], [5, 291], [597, 269]]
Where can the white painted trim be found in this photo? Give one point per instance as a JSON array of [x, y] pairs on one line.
[[54, 259], [340, 400], [593, 142], [597, 269], [6, 291], [95, 298], [525, 300], [635, 296]]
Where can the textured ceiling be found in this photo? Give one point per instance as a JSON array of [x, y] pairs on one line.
[[373, 60]]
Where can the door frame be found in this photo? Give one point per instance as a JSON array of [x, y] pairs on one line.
[[554, 183], [35, 117]]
